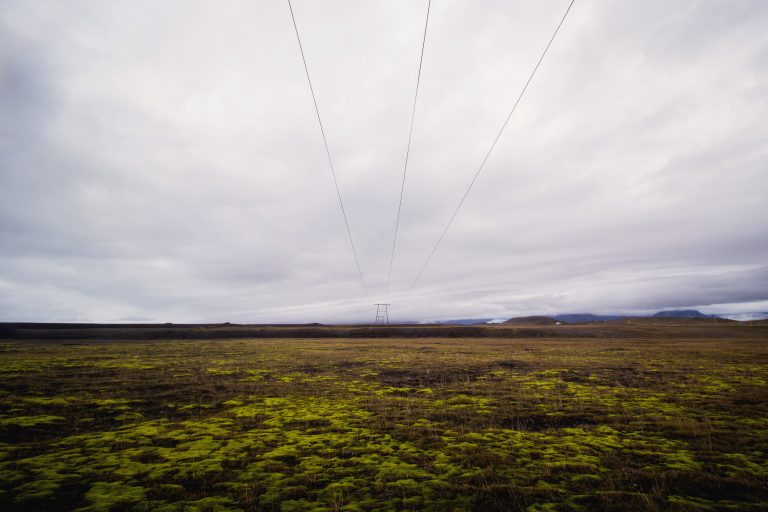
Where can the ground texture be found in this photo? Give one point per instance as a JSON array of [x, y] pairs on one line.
[[386, 424]]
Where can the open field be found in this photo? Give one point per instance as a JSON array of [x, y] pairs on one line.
[[653, 417]]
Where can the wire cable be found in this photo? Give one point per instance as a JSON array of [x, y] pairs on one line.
[[328, 152], [408, 148], [490, 150]]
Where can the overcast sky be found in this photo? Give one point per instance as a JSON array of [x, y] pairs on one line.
[[161, 160]]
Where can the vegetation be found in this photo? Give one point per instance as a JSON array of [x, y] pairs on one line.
[[359, 425]]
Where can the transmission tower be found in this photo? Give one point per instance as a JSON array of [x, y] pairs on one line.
[[382, 314]]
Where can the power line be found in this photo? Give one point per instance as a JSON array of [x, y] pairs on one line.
[[328, 152], [408, 149], [488, 154]]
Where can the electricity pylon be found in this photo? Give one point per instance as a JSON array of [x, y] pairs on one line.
[[382, 314]]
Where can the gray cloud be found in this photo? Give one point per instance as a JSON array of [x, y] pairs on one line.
[[165, 163]]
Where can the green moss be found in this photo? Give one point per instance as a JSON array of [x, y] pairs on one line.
[[543, 507], [103, 496], [219, 371], [211, 504], [691, 503], [587, 479], [355, 425], [30, 421], [50, 401]]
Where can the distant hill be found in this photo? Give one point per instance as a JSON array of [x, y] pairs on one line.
[[681, 313], [532, 320], [579, 318]]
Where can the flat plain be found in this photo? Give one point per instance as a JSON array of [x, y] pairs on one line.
[[629, 417]]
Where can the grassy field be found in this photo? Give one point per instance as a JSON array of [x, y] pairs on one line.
[[387, 424]]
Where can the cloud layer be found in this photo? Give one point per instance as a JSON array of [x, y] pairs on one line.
[[161, 161]]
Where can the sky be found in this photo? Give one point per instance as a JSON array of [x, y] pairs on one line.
[[160, 161]]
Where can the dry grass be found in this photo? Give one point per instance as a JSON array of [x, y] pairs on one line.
[[392, 424]]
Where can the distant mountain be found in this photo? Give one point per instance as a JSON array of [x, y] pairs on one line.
[[532, 320], [682, 313], [575, 318]]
